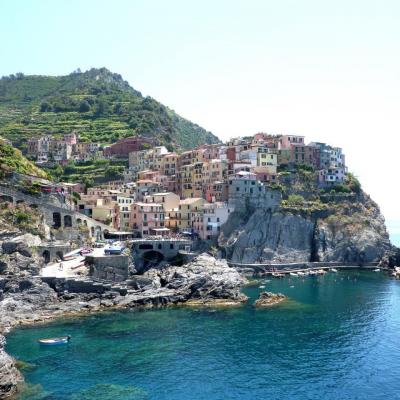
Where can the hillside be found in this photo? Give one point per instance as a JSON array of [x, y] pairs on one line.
[[99, 104], [12, 160]]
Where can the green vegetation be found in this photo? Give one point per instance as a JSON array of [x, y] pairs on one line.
[[89, 172], [12, 160], [295, 200], [351, 185], [98, 104]]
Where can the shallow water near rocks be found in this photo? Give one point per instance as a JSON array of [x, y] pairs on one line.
[[338, 337]]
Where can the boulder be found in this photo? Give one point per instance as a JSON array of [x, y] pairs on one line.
[[267, 299]]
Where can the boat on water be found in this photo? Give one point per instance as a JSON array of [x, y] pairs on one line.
[[293, 274], [334, 270], [277, 275], [55, 341], [377, 270], [312, 272], [300, 273]]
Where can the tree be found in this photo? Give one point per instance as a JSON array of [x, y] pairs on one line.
[[84, 106], [46, 106]]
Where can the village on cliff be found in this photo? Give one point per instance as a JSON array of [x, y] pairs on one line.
[[165, 193]]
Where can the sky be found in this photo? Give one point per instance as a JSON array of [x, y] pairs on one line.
[[328, 70]]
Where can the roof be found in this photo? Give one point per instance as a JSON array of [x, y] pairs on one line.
[[139, 203], [145, 181], [190, 200], [162, 194]]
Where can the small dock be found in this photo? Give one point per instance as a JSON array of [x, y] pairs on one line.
[[287, 268]]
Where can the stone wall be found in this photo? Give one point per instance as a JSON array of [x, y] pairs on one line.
[[111, 268]]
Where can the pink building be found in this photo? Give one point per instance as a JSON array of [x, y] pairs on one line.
[[287, 141], [148, 219]]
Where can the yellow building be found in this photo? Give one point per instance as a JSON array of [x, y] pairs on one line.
[[268, 160], [186, 212]]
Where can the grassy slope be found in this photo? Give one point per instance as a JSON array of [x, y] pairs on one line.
[[116, 111], [12, 159]]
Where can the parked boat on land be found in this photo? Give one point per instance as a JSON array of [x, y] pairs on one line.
[[55, 341]]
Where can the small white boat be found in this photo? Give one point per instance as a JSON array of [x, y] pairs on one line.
[[377, 270], [55, 341], [300, 273], [312, 272], [333, 270], [293, 274], [262, 287]]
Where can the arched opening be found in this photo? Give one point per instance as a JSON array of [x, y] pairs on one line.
[[152, 259], [85, 222], [92, 231], [60, 255], [79, 221], [56, 220], [46, 256], [67, 221]]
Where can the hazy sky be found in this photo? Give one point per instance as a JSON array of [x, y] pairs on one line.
[[329, 70]]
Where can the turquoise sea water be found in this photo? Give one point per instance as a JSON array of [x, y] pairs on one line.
[[337, 338]]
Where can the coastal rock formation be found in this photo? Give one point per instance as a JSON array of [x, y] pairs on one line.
[[267, 299], [25, 299], [10, 377], [348, 230]]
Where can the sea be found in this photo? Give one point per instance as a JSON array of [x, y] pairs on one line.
[[336, 337]]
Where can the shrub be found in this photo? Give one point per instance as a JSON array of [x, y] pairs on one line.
[[295, 200], [22, 217]]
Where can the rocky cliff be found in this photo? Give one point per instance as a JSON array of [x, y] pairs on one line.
[[346, 228]]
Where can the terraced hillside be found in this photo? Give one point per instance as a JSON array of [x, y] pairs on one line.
[[12, 160], [99, 104]]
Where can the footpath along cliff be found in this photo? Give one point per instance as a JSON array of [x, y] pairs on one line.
[[341, 224]]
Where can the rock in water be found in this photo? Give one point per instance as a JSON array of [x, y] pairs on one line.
[[207, 280], [267, 299], [10, 377]]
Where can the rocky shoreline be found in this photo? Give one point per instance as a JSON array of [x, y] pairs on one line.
[[25, 299]]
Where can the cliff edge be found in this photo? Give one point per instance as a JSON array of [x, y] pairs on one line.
[[310, 224]]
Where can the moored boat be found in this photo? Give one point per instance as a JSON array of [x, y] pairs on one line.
[[55, 341], [377, 270], [293, 274], [334, 270]]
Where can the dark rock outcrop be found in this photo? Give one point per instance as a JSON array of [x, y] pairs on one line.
[[346, 231]]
